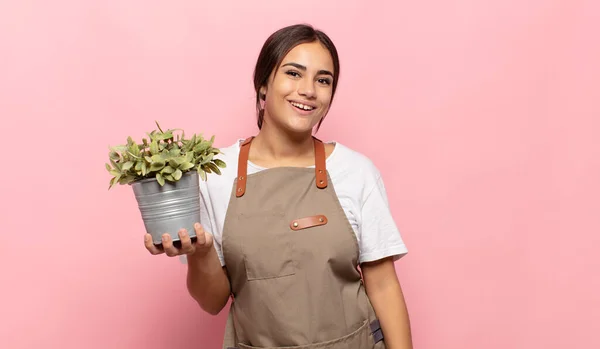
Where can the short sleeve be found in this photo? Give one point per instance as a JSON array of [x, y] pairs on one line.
[[379, 235]]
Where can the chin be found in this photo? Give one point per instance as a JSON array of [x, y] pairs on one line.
[[300, 127], [298, 131]]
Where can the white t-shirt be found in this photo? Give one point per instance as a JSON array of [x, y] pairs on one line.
[[359, 188]]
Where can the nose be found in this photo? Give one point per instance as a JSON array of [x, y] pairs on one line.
[[306, 88]]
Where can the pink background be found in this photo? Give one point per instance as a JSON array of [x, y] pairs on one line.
[[482, 115]]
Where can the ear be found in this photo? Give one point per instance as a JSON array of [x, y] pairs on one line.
[[262, 93]]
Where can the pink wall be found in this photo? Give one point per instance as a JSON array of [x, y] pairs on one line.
[[482, 116]]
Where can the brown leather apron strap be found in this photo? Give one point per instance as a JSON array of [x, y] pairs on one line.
[[320, 168], [243, 167]]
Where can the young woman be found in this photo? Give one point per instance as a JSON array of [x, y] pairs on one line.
[[297, 231]]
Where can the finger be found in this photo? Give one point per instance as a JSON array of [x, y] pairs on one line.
[[208, 239], [167, 242], [150, 246], [186, 242], [200, 236]]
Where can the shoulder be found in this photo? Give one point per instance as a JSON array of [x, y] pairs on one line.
[[352, 171], [345, 159]]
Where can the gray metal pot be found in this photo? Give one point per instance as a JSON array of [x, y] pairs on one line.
[[169, 208]]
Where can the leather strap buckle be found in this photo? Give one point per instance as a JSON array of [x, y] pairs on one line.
[[376, 331]]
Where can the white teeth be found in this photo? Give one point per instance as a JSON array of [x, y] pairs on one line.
[[302, 106]]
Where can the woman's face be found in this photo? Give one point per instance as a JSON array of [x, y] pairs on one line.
[[299, 92]]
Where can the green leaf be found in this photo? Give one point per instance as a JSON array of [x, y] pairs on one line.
[[154, 149], [199, 148], [108, 168], [133, 155], [119, 148], [127, 180], [186, 166], [169, 177], [164, 136], [220, 163], [202, 173], [144, 169], [115, 173], [160, 179], [207, 159], [177, 175], [157, 158], [116, 179], [167, 170], [112, 182], [113, 155], [115, 164], [157, 166], [127, 166], [214, 168], [134, 149]]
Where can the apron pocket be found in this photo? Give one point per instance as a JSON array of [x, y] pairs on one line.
[[359, 339], [266, 245]]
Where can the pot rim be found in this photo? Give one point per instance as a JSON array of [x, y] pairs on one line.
[[153, 179]]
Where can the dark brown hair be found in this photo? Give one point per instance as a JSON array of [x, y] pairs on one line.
[[277, 46]]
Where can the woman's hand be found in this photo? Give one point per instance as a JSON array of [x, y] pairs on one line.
[[201, 246]]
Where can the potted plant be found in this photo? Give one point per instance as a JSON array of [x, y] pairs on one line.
[[164, 171]]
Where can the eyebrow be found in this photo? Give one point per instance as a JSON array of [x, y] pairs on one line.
[[303, 68]]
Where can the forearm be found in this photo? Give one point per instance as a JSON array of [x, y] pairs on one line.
[[390, 307], [207, 282], [385, 294]]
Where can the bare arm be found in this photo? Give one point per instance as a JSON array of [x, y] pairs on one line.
[[207, 281], [385, 293]]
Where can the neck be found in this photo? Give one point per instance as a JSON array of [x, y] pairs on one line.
[[275, 144]]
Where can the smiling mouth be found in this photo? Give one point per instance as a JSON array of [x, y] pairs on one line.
[[302, 106]]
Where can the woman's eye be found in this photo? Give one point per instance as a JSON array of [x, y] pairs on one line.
[[325, 81], [293, 73]]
